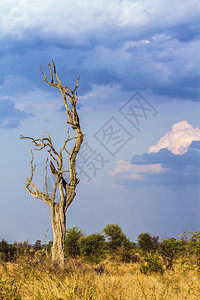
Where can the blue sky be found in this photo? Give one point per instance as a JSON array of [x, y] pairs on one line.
[[139, 67]]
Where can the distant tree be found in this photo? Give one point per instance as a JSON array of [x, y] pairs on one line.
[[114, 235], [72, 247], [66, 189], [147, 242]]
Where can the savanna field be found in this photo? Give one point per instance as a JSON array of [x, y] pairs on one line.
[[103, 266], [25, 280]]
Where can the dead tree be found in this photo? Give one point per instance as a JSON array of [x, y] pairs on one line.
[[66, 189]]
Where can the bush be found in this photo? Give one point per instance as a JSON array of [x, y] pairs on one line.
[[194, 243], [128, 245], [7, 251], [148, 243], [37, 245], [92, 247], [49, 246], [22, 248], [128, 256], [152, 265], [126, 253], [72, 247], [170, 249]]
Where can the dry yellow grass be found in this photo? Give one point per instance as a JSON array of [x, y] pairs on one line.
[[22, 280]]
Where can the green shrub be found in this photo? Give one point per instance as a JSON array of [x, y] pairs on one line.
[[72, 247], [151, 264], [126, 252], [92, 247], [128, 256], [37, 245], [49, 246], [22, 248], [194, 243], [170, 249], [148, 243]]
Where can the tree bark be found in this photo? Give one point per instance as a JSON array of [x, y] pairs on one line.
[[58, 220]]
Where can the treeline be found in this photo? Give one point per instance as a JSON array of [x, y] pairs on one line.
[[154, 255]]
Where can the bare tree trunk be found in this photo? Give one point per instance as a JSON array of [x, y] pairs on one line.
[[58, 220]]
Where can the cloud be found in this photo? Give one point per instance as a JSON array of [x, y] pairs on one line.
[[178, 139], [175, 163], [138, 45], [164, 66], [134, 172], [84, 18], [10, 116]]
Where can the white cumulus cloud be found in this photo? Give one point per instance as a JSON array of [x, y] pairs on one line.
[[178, 139], [134, 172]]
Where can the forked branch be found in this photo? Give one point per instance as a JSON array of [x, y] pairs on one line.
[[35, 192], [56, 162], [73, 119], [72, 114], [56, 156]]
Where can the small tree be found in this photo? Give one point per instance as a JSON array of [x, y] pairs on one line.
[[115, 236], [66, 189]]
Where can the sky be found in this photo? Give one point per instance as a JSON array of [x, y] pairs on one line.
[[138, 102]]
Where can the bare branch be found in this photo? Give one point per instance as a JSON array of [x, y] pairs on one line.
[[51, 73], [36, 193], [55, 188], [67, 140], [77, 83], [46, 177], [53, 169], [42, 143], [54, 67], [32, 171], [45, 77]]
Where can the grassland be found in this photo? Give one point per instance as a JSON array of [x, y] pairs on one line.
[[36, 279]]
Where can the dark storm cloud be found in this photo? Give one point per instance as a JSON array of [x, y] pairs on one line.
[[156, 54], [170, 160], [10, 116]]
